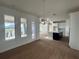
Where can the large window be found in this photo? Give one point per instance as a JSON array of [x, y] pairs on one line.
[[33, 30], [50, 27], [43, 28], [9, 27], [23, 27]]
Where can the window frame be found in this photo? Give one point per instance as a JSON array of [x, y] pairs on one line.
[[9, 21], [25, 26]]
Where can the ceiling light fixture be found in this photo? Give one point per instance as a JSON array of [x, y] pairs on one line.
[[43, 19]]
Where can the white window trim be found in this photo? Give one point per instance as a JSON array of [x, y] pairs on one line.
[[24, 20], [9, 19]]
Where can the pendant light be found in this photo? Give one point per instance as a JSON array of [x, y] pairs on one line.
[[43, 19]]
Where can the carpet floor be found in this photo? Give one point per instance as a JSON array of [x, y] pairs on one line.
[[42, 49]]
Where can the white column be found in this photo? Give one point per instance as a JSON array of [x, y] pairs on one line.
[[74, 31]]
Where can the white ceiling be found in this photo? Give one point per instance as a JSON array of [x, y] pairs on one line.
[[60, 7]]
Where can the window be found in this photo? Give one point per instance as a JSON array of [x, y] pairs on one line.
[[23, 27], [9, 27], [43, 28], [55, 27], [33, 30], [50, 28]]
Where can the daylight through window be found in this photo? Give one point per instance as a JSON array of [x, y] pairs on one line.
[[23, 27], [9, 27]]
